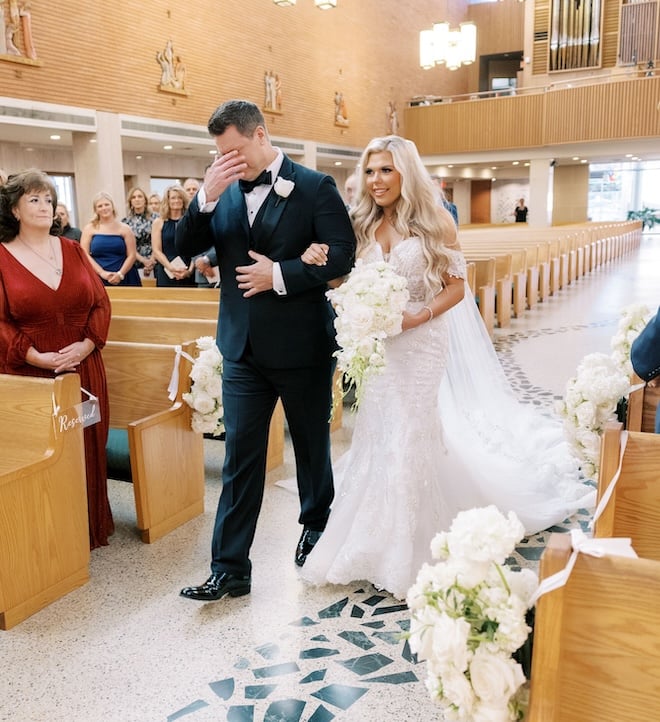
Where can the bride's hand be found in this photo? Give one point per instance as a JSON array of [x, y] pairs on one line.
[[316, 254]]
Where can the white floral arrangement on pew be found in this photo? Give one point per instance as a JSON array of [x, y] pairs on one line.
[[205, 397], [369, 306], [469, 618], [599, 389]]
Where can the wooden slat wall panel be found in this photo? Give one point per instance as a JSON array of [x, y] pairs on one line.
[[510, 122], [579, 114]]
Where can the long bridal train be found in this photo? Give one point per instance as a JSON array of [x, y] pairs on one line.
[[440, 431]]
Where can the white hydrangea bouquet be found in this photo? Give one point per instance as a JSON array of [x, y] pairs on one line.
[[469, 618], [594, 394], [205, 397], [369, 306]]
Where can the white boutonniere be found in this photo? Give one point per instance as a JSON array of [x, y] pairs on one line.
[[283, 188]]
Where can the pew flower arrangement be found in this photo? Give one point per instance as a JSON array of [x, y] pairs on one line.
[[600, 387], [469, 618], [205, 397], [369, 306]]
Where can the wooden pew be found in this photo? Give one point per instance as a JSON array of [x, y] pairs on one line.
[[144, 329], [634, 508], [166, 455], [642, 406], [483, 278], [164, 308], [44, 528], [596, 655], [152, 329], [163, 293]]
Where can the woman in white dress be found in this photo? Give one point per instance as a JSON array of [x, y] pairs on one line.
[[440, 430]]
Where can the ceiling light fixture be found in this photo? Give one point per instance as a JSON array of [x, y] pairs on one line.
[[453, 48]]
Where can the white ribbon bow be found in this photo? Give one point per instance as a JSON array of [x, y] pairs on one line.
[[173, 386], [581, 543]]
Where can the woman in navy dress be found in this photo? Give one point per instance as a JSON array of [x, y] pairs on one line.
[[163, 230], [110, 245]]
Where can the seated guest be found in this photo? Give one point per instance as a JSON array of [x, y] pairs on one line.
[[110, 245], [163, 230], [68, 231], [54, 317], [645, 357]]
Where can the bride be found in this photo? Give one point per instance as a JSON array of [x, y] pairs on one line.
[[440, 430]]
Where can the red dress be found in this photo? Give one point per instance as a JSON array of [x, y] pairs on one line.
[[34, 314]]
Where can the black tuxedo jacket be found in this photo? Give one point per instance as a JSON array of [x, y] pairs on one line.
[[645, 350], [289, 331]]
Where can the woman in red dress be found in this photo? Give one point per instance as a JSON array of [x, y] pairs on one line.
[[54, 317]]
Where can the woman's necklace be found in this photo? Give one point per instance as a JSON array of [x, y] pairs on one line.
[[49, 261]]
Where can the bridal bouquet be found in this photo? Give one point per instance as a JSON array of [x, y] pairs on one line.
[[469, 617], [594, 394], [369, 306], [205, 397]]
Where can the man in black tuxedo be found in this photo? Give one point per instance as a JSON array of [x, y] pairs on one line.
[[260, 211], [645, 357]]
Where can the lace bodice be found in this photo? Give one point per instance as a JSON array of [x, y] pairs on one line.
[[407, 259]]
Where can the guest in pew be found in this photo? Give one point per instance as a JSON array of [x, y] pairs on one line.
[[172, 269], [645, 357], [206, 264], [440, 430], [68, 231], [154, 203], [110, 244], [139, 219], [259, 210], [54, 316]]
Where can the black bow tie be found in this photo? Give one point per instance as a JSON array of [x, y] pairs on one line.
[[263, 179]]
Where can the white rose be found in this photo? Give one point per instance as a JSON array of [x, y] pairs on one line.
[[458, 691], [202, 402], [495, 677], [283, 187], [491, 713], [214, 386]]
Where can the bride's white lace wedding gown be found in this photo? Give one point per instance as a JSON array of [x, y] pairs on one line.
[[438, 432]]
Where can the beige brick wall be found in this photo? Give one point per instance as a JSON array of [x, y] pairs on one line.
[[101, 54]]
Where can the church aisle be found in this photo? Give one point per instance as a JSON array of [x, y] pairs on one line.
[[126, 648]]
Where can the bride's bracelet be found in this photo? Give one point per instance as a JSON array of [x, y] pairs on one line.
[[430, 310]]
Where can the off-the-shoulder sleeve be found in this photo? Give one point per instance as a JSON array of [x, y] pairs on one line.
[[457, 265]]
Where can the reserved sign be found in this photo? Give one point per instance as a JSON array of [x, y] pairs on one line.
[[84, 414]]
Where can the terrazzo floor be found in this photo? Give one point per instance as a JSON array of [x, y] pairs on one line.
[[126, 648]]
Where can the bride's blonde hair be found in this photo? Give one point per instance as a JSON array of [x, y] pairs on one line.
[[417, 213]]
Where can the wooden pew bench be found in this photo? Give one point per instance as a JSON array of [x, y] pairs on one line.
[[596, 655], [634, 508], [166, 455], [44, 528], [164, 308], [163, 293], [173, 331]]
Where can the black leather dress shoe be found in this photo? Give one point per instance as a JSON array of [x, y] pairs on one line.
[[306, 543], [217, 586]]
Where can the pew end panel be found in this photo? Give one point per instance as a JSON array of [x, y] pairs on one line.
[[596, 651], [166, 455], [44, 527], [633, 510], [642, 406]]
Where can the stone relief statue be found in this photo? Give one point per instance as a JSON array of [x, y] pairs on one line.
[[16, 30], [172, 69]]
